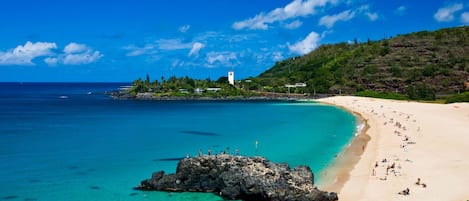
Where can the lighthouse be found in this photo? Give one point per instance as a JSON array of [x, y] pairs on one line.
[[231, 77]]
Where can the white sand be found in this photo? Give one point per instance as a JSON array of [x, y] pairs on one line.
[[438, 151]]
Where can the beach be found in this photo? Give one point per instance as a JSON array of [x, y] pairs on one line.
[[408, 151]]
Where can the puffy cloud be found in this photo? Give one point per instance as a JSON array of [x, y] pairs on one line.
[[51, 61], [306, 45], [446, 14], [330, 20], [24, 54], [75, 48], [297, 8], [196, 48], [75, 54], [87, 57], [294, 25], [185, 28], [465, 18], [401, 10]]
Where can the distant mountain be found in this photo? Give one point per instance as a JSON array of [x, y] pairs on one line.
[[436, 62]]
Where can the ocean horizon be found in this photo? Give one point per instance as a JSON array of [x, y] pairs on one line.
[[71, 141]]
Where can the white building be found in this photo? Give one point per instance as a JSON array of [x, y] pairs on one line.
[[231, 77]]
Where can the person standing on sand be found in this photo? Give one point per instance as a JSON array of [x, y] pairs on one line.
[[209, 151]]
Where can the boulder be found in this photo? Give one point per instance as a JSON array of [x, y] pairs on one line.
[[240, 177]]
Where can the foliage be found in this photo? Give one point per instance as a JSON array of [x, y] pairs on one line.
[[463, 97], [186, 87], [421, 92], [384, 95], [418, 65]]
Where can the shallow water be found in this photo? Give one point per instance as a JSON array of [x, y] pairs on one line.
[[90, 147]]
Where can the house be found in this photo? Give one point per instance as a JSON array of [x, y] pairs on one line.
[[213, 89], [300, 84], [198, 91]]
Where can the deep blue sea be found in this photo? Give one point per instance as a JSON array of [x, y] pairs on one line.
[[69, 141]]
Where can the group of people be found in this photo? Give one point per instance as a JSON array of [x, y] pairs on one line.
[[226, 151]]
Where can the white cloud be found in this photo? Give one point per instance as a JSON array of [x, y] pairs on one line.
[[372, 16], [306, 45], [294, 25], [75, 54], [224, 59], [297, 8], [51, 61], [23, 55], [401, 10], [277, 56], [446, 14], [196, 48], [87, 57], [465, 18], [172, 44], [185, 28], [137, 51], [330, 20], [75, 48]]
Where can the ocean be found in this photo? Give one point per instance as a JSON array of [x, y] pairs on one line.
[[70, 141]]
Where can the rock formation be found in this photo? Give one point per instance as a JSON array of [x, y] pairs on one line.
[[239, 177]]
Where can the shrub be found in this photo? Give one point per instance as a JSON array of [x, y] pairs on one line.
[[384, 95], [464, 97]]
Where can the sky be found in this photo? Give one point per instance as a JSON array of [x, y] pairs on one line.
[[99, 41]]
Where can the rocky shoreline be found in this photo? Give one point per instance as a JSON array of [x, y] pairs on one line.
[[239, 177], [122, 95]]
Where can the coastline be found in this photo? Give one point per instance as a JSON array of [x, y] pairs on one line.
[[418, 140], [334, 176]]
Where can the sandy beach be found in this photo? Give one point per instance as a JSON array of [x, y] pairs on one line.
[[410, 151]]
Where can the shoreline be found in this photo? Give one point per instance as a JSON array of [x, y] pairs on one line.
[[334, 176], [418, 148]]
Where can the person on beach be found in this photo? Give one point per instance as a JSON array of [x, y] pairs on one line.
[[209, 152], [404, 192]]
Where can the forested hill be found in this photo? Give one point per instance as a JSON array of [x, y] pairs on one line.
[[434, 62]]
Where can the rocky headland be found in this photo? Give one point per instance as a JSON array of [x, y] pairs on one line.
[[239, 177]]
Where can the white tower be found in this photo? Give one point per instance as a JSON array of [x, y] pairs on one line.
[[231, 77]]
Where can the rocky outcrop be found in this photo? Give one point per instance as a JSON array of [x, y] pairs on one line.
[[239, 177]]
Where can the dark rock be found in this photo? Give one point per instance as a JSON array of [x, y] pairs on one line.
[[238, 177]]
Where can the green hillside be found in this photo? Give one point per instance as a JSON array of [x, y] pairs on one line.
[[419, 65]]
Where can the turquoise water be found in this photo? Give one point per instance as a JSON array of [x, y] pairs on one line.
[[90, 147]]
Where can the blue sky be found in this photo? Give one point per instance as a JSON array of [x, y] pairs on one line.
[[93, 40]]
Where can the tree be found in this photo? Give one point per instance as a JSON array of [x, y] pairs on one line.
[[147, 80]]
